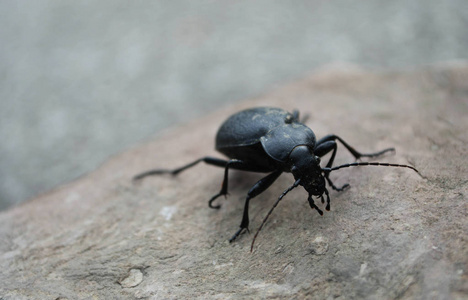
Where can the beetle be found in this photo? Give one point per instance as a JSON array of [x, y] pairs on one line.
[[272, 140]]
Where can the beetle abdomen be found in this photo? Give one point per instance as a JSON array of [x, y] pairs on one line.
[[254, 155], [248, 126]]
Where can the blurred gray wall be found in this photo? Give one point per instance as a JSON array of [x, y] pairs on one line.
[[82, 80]]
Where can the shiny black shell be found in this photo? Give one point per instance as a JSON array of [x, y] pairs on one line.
[[263, 137]]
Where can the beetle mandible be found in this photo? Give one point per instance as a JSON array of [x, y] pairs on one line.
[[272, 140]]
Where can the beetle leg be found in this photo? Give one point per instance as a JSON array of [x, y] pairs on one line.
[[235, 164], [338, 189], [209, 160], [256, 190], [322, 149], [328, 200], [322, 199], [328, 143], [356, 154]]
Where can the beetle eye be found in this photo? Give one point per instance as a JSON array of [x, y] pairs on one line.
[[317, 159]]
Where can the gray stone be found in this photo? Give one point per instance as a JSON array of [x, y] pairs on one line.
[[393, 234]]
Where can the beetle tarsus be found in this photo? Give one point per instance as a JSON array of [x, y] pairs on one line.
[[150, 173], [376, 153], [344, 187], [341, 189], [210, 203], [238, 232]]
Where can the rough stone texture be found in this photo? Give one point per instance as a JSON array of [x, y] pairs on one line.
[[394, 234]]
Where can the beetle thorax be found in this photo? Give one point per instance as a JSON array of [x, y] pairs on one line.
[[305, 165]]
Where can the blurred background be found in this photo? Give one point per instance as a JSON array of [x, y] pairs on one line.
[[82, 80]]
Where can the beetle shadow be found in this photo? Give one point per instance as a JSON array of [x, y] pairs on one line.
[[242, 181]]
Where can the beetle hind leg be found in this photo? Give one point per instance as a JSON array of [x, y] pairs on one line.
[[207, 159]]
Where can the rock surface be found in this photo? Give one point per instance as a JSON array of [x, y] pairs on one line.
[[393, 234]]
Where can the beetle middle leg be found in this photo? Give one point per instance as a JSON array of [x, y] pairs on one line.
[[256, 190], [328, 143], [234, 164]]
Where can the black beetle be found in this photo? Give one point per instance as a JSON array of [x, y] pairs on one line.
[[272, 140]]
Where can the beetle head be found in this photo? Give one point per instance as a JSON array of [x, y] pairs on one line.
[[306, 166]]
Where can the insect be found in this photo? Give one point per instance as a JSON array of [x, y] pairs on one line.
[[272, 140]]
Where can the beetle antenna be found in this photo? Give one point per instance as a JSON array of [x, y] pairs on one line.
[[271, 210], [328, 170]]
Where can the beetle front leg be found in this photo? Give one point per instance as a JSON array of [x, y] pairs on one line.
[[328, 143], [256, 190], [322, 149], [356, 154]]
